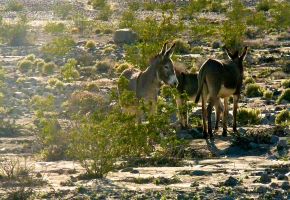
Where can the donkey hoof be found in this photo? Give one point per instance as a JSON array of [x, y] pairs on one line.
[[224, 134]]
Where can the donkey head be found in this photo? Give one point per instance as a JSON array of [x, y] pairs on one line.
[[164, 65], [238, 60]]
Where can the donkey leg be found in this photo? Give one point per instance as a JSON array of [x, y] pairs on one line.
[[217, 116], [236, 99], [225, 116], [181, 112], [211, 103], [204, 114]]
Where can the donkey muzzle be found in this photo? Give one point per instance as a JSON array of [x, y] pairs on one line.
[[173, 81]]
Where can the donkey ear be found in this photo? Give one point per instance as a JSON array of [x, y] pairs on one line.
[[164, 48], [169, 52], [242, 57], [232, 55]]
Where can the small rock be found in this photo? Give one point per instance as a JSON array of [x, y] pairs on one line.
[[285, 185], [227, 198], [19, 95], [265, 178], [231, 182], [282, 144], [183, 134], [274, 139], [125, 36], [274, 185], [216, 44], [242, 131], [282, 177], [134, 171], [127, 169], [262, 189], [253, 145], [200, 173]]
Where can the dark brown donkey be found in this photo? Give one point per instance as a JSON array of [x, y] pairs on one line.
[[187, 89], [220, 80]]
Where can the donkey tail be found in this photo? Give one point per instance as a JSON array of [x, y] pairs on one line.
[[201, 79]]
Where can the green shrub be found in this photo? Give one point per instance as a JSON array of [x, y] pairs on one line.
[[104, 67], [134, 6], [123, 66], [268, 94], [286, 83], [97, 3], [83, 102], [152, 34], [59, 46], [69, 71], [83, 24], [128, 19], [54, 28], [284, 96], [62, 9], [48, 68], [249, 80], [149, 6], [90, 44], [24, 65], [253, 90], [265, 5], [257, 19], [283, 118], [39, 63], [281, 15], [181, 46], [15, 34], [13, 5], [30, 57], [247, 116], [105, 13]]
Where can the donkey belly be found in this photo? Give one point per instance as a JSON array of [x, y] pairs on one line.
[[225, 92]]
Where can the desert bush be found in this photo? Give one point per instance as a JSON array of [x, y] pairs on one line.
[[62, 9], [48, 68], [150, 6], [39, 63], [13, 5], [15, 34], [249, 80], [253, 90], [54, 27], [284, 96], [69, 71], [283, 118], [109, 49], [246, 116], [268, 94], [104, 67], [58, 46], [105, 13], [82, 24], [42, 104], [90, 44], [122, 66], [181, 46], [265, 5], [97, 3], [83, 102], [187, 11], [128, 19], [202, 28], [281, 15], [30, 57], [257, 19], [24, 65], [152, 34], [134, 5], [286, 83]]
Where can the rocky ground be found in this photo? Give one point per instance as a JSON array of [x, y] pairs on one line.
[[212, 170]]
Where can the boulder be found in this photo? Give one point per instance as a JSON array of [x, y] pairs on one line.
[[126, 36]]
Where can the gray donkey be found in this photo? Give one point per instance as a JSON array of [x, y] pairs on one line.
[[146, 84], [220, 80], [187, 90]]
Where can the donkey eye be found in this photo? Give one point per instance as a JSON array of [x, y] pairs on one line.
[[166, 67]]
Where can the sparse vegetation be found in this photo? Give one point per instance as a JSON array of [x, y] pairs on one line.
[[268, 94], [285, 96], [283, 118], [25, 65], [90, 44], [248, 116], [48, 68], [59, 46], [54, 28], [13, 5], [122, 66], [286, 83], [182, 46], [69, 71], [104, 67], [253, 90]]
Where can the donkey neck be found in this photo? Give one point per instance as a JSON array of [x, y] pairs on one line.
[[151, 75]]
